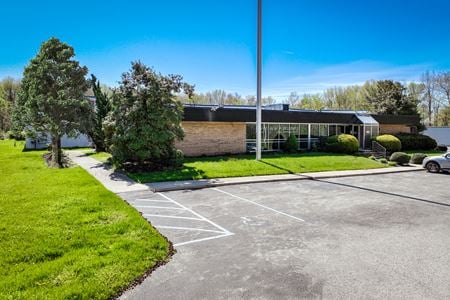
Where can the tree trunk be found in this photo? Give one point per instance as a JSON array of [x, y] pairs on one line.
[[56, 154]]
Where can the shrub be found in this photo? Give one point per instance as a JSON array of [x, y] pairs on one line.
[[372, 157], [291, 144], [400, 158], [177, 161], [342, 143], [15, 135], [383, 161], [417, 158], [416, 141], [392, 163], [442, 148], [390, 142]]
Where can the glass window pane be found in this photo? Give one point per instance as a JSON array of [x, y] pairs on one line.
[[332, 130], [303, 130], [284, 130], [323, 130], [294, 129], [315, 130], [273, 131], [251, 131]]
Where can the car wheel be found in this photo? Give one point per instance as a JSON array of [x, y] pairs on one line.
[[432, 167]]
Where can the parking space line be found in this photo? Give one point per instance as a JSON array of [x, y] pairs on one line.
[[196, 214], [260, 205], [158, 207], [203, 239], [173, 217], [151, 200], [188, 228]]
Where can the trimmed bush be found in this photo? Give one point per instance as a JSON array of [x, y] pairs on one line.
[[416, 141], [442, 148], [342, 143], [417, 158], [383, 161], [390, 142], [291, 144], [400, 158]]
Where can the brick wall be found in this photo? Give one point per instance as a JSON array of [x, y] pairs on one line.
[[212, 138], [394, 128]]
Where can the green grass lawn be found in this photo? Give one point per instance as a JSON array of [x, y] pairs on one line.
[[63, 235], [246, 165], [100, 156]]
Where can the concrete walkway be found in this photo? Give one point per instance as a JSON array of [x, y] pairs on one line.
[[120, 183], [113, 181]]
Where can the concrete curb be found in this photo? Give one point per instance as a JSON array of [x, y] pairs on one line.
[[208, 183]]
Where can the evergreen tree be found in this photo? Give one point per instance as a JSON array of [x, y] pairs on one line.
[[102, 108], [146, 118], [51, 99]]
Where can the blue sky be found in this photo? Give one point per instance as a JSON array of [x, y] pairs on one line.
[[309, 45]]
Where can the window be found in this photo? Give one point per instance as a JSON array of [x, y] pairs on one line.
[[323, 130], [251, 131], [274, 130], [315, 131], [332, 130], [303, 130], [284, 130], [274, 135]]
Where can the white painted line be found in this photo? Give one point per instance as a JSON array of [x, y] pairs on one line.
[[158, 207], [198, 215], [151, 200], [260, 205], [174, 217], [188, 228], [204, 239]]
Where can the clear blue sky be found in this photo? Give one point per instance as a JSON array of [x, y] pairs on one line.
[[309, 45]]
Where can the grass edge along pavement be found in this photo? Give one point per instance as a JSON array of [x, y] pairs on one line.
[[63, 235], [246, 165]]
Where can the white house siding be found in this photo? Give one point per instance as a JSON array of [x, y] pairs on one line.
[[440, 134], [82, 140]]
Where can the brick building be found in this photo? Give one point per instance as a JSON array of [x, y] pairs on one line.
[[214, 130]]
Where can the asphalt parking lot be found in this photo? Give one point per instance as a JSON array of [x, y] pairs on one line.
[[371, 237]]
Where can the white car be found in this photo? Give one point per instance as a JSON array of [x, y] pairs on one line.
[[434, 164]]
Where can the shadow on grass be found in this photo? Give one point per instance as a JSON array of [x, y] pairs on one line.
[[252, 156], [186, 173], [277, 167]]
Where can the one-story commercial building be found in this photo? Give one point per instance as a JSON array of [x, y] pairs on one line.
[[215, 130]]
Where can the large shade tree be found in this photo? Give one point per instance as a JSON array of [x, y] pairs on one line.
[[147, 118], [51, 99], [391, 97]]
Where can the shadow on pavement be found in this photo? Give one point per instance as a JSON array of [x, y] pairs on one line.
[[386, 193]]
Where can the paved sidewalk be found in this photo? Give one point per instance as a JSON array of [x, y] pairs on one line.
[[113, 181]]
